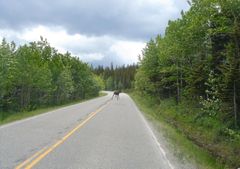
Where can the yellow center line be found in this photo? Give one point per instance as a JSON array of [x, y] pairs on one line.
[[38, 156], [30, 158]]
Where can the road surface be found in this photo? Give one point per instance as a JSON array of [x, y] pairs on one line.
[[97, 134]]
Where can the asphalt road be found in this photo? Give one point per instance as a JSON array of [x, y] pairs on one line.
[[97, 134]]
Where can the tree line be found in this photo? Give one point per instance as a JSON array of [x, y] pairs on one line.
[[117, 78], [197, 59], [36, 74]]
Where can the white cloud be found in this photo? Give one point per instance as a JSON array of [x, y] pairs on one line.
[[88, 57], [95, 30], [86, 48], [128, 51]]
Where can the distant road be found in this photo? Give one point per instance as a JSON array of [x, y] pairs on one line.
[[97, 134]]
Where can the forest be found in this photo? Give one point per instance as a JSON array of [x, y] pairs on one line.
[[118, 77], [198, 58], [195, 69], [36, 75]]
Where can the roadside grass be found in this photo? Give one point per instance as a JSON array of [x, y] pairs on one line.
[[14, 116], [180, 129]]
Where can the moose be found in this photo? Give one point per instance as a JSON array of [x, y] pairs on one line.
[[116, 93]]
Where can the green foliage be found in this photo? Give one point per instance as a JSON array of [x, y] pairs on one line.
[[7, 71], [199, 57], [118, 78], [198, 60], [64, 85], [99, 81], [229, 133], [212, 104], [109, 84], [36, 75]]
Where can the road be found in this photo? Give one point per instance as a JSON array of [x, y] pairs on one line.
[[96, 134]]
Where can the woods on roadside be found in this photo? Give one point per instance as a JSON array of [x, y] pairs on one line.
[[198, 58], [117, 78], [197, 63], [35, 75]]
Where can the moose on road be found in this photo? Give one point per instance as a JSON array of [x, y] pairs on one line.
[[116, 94]]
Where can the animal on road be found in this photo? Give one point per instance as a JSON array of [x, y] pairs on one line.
[[116, 94]]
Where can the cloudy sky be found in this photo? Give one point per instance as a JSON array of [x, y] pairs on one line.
[[97, 31]]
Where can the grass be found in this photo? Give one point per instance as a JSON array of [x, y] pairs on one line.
[[10, 117], [184, 134]]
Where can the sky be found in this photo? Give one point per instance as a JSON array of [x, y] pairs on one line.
[[97, 31]]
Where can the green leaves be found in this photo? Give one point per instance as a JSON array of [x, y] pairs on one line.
[[7, 67], [204, 41], [35, 75], [117, 78]]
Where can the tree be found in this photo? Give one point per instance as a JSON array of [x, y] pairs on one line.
[[7, 73], [35, 75], [204, 41]]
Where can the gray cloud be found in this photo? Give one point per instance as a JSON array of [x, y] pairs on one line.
[[97, 31], [136, 19]]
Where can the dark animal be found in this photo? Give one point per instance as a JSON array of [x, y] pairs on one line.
[[116, 93]]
